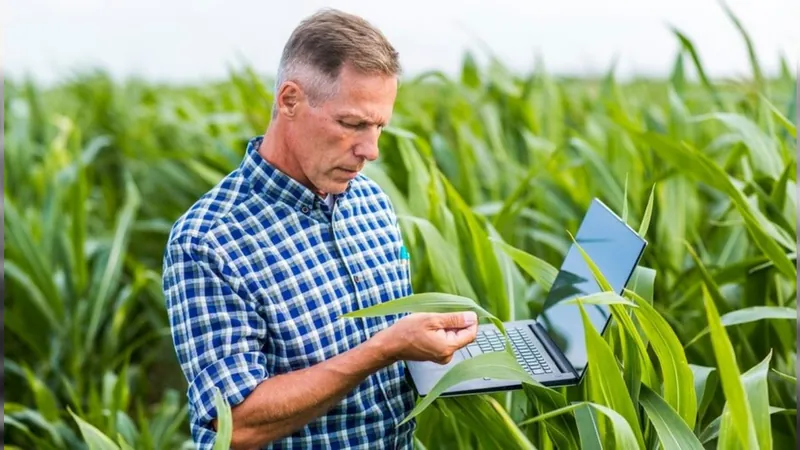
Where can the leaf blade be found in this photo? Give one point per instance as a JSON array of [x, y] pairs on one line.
[[673, 431], [729, 376]]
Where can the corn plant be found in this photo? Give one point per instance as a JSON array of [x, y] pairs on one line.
[[488, 170]]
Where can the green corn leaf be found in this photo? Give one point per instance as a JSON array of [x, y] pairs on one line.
[[31, 262], [497, 365], [561, 428], [598, 168], [588, 430], [602, 298], [751, 53], [643, 282], [620, 314], [540, 270], [732, 385], [648, 212], [123, 444], [625, 201], [94, 438], [785, 376], [689, 47], [712, 431], [755, 386], [787, 124], [487, 421], [224, 422], [602, 363], [476, 243], [632, 366], [704, 169], [111, 270], [705, 384], [510, 429], [34, 295], [44, 398], [33, 422], [749, 315], [445, 265], [763, 151], [710, 284], [431, 302], [678, 379], [11, 423], [598, 274], [673, 432], [625, 437]]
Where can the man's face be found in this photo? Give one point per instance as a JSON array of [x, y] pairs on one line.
[[332, 141]]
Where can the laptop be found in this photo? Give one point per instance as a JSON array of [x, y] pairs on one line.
[[552, 347]]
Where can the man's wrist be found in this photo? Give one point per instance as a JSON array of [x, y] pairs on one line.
[[383, 347]]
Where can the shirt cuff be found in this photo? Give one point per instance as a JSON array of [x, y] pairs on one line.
[[236, 376]]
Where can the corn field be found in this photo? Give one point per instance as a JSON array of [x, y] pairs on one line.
[[488, 171]]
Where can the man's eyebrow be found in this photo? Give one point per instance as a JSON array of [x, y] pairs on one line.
[[361, 118]]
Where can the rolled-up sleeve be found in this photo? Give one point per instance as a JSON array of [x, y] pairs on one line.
[[217, 330]]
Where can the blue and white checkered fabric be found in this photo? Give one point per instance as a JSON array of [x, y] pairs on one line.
[[256, 275]]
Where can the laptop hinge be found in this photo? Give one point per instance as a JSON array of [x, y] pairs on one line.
[[555, 352]]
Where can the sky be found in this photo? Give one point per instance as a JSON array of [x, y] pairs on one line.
[[183, 40]]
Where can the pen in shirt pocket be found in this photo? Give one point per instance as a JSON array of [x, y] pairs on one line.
[[404, 255]]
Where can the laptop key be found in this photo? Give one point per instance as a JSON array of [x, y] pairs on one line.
[[474, 350]]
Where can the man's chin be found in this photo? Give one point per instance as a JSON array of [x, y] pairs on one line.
[[334, 188]]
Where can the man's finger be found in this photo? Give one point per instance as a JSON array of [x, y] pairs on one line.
[[464, 336], [459, 319]]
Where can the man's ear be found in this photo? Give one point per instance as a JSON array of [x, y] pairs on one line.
[[289, 97]]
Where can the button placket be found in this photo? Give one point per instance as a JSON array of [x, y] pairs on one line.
[[339, 239]]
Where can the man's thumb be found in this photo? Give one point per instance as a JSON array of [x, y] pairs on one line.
[[460, 319]]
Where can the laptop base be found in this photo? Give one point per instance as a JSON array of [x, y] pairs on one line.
[[533, 355]]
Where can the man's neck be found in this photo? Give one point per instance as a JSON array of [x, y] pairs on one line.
[[274, 150]]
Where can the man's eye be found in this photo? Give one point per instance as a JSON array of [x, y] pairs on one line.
[[359, 125]]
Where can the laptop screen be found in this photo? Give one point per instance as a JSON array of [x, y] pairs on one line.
[[616, 249]]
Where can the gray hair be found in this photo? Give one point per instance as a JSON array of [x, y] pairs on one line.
[[318, 48]]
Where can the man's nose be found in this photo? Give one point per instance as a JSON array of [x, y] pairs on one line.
[[367, 147]]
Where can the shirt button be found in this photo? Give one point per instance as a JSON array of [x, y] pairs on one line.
[[304, 209], [357, 279]]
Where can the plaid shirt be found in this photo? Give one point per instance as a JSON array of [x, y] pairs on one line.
[[256, 275]]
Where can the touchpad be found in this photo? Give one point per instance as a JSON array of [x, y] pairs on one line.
[[458, 356]]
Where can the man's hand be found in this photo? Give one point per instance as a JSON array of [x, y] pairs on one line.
[[429, 336]]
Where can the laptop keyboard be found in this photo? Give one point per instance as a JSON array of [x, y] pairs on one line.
[[526, 351]]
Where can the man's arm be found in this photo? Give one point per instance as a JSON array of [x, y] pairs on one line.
[[285, 403]]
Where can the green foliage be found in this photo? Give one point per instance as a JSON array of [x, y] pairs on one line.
[[489, 171]]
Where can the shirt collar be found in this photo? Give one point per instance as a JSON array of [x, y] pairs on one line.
[[266, 178]]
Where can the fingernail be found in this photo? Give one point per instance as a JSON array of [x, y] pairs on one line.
[[470, 318]]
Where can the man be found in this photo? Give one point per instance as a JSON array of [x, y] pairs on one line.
[[259, 270]]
